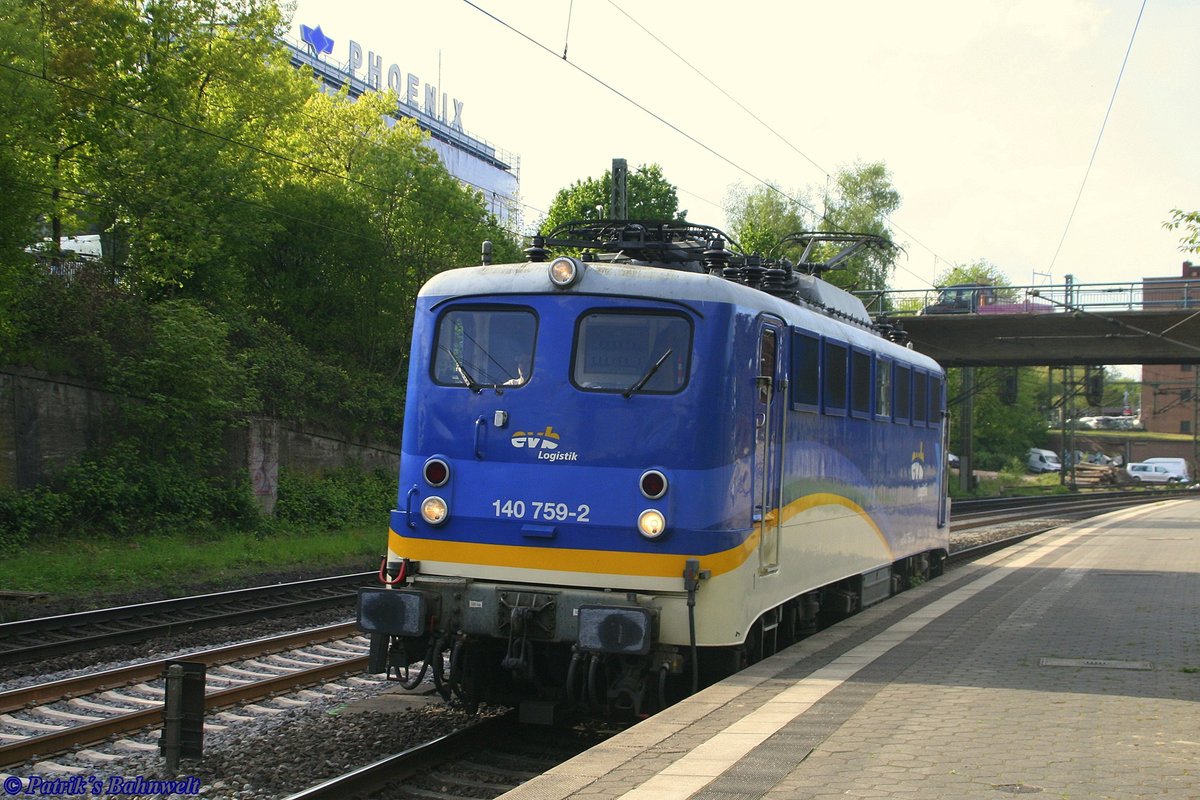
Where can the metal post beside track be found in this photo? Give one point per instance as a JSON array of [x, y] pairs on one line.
[[183, 714]]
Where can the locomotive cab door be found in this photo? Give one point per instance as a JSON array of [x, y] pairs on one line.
[[770, 384]]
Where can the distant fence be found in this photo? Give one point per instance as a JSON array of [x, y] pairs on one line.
[[48, 422], [1148, 295]]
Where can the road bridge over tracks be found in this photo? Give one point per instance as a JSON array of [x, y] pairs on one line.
[[1155, 321]]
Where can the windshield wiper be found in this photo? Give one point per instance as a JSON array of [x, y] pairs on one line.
[[645, 378], [471, 383]]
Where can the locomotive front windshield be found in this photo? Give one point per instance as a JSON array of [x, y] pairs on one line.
[[484, 347], [618, 351]]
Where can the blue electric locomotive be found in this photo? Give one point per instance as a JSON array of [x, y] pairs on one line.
[[650, 463]]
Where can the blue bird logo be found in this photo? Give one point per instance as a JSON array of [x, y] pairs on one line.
[[316, 39]]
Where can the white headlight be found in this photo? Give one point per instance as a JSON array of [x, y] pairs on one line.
[[434, 510], [651, 523], [565, 271]]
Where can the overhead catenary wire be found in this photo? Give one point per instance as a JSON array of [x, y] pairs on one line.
[[772, 130], [1099, 136], [704, 146], [648, 111]]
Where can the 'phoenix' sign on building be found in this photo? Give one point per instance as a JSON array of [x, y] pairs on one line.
[[407, 87]]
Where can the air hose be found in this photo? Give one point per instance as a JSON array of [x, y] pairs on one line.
[[383, 578], [692, 575]]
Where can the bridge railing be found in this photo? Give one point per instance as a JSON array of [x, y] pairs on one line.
[[1150, 294]]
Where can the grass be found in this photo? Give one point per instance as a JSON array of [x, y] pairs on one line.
[[1007, 483], [172, 565]]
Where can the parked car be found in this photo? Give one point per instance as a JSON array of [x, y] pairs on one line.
[[1143, 472], [1039, 460], [1177, 467], [952, 461]]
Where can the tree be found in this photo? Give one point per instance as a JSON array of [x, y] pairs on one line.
[[1190, 222], [1002, 430], [980, 271], [859, 200], [217, 173], [151, 131], [650, 196], [263, 242], [377, 218], [758, 217]]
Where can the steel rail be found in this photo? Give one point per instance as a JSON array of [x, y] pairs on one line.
[[15, 699], [12, 651], [101, 729], [979, 504], [408, 762], [984, 514]]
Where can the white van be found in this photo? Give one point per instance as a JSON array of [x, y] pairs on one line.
[[1039, 460], [1178, 467], [1142, 472]]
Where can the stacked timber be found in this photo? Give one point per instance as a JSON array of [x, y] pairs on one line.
[[1088, 474]]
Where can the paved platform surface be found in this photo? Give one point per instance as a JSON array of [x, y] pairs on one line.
[[1067, 667]]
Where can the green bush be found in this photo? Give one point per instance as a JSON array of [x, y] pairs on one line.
[[1014, 470], [336, 499], [119, 493], [25, 516]]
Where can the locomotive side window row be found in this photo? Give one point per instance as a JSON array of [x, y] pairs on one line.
[[860, 383], [838, 379], [834, 382]]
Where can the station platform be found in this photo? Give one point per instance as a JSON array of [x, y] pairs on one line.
[[1068, 666]]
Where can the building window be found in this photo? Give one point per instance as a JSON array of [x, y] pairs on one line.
[[1185, 426], [1185, 367]]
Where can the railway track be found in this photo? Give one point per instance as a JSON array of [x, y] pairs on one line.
[[31, 639], [54, 717], [970, 514], [482, 760], [977, 514]]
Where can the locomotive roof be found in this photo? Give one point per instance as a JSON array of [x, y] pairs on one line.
[[668, 285]]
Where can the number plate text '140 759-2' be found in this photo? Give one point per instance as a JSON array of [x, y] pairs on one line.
[[544, 510]]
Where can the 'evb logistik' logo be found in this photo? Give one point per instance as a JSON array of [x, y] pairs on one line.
[[918, 469], [545, 442]]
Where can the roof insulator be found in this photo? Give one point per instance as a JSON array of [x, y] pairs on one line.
[[537, 251], [752, 273]]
